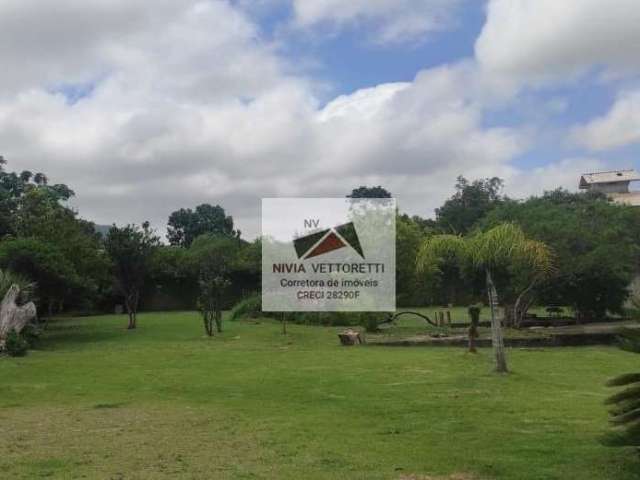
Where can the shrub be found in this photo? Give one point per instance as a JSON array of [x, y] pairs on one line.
[[16, 345], [371, 321], [250, 307], [31, 334]]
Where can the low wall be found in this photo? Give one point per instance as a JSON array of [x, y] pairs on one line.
[[555, 340]]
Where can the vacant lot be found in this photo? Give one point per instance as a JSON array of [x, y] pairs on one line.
[[97, 401]]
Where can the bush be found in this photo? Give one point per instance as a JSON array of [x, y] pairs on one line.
[[371, 321], [368, 320], [16, 345], [31, 334], [250, 307]]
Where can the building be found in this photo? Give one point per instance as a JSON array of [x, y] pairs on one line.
[[614, 184]]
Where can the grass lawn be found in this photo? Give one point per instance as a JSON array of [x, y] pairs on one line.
[[97, 401]]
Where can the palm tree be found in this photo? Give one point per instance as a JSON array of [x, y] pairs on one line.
[[504, 246], [8, 278], [625, 412]]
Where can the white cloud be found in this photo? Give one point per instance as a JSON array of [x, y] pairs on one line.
[[618, 128], [564, 173], [391, 21], [190, 106], [550, 39]]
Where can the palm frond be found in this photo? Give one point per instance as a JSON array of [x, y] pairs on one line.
[[437, 250], [8, 278], [624, 380]]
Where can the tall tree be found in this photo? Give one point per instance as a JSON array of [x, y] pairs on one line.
[[471, 202], [504, 246], [214, 257], [130, 249], [13, 188], [185, 225]]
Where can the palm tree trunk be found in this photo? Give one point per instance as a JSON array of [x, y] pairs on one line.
[[518, 308], [497, 340]]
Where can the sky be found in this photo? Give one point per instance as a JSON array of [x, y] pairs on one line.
[[144, 107]]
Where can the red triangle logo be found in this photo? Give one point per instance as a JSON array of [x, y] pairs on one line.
[[330, 243]]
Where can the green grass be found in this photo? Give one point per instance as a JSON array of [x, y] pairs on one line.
[[164, 402]]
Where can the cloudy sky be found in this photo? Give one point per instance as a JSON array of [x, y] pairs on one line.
[[147, 106]]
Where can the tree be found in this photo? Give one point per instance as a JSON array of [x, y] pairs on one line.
[[410, 288], [369, 192], [46, 265], [14, 186], [504, 246], [596, 243], [625, 411], [214, 257], [185, 225], [171, 281], [130, 249], [471, 202]]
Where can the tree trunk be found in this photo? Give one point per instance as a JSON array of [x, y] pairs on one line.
[[218, 317], [509, 316], [520, 307], [131, 303], [12, 316], [472, 340], [497, 340]]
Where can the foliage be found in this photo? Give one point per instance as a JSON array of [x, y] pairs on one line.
[[34, 211], [369, 192], [185, 225], [250, 307], [371, 320], [171, 282], [471, 202], [214, 257], [16, 345], [46, 265], [13, 188], [625, 411], [595, 242], [410, 287], [130, 249], [31, 334], [8, 278]]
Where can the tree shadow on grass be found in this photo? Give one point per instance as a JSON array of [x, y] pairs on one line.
[[71, 334]]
